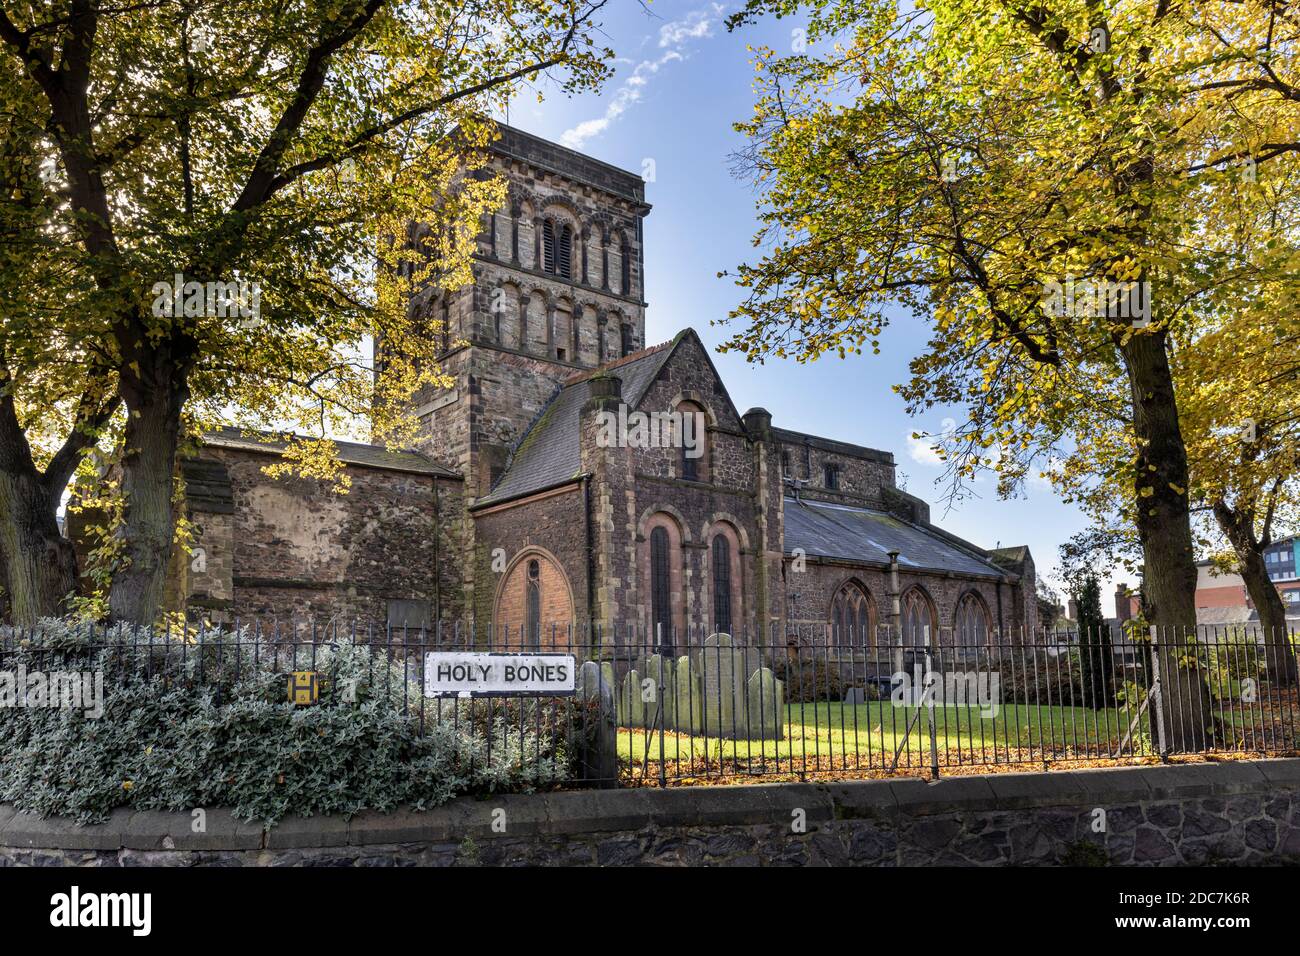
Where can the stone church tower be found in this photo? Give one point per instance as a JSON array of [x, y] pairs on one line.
[[558, 289]]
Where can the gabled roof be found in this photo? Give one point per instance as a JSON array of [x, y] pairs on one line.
[[849, 533], [350, 453], [550, 452], [1012, 559]]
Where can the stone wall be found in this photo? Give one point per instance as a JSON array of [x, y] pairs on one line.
[[1244, 812], [295, 548]]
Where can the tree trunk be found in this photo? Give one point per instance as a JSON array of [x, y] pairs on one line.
[[1165, 532], [41, 567], [1239, 528], [148, 468], [41, 563]]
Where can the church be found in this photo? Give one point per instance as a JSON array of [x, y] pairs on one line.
[[515, 511]]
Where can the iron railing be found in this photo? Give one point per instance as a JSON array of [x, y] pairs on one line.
[[802, 703]]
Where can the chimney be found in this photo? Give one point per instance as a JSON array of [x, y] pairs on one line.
[[1072, 609], [1123, 606], [758, 422]]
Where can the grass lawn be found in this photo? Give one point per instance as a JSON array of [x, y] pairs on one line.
[[844, 736]]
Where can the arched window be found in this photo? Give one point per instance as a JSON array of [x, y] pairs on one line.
[[661, 612], [534, 602], [693, 463], [533, 607], [625, 331], [853, 618], [625, 257], [721, 585], [557, 248], [972, 623], [919, 622]]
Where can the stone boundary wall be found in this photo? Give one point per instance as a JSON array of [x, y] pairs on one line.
[[1231, 812]]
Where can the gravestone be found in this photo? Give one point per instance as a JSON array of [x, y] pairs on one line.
[[766, 718], [855, 696], [722, 686], [688, 707], [632, 707]]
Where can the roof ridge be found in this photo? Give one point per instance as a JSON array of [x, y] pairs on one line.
[[646, 352]]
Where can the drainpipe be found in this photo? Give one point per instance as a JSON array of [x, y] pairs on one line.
[[1002, 627], [591, 553], [437, 563]]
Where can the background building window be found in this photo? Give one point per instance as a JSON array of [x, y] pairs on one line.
[[918, 618], [971, 625], [852, 620], [832, 477]]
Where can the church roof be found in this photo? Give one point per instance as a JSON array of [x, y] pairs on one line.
[[350, 453], [857, 534], [550, 453]]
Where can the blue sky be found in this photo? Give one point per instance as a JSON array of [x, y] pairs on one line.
[[681, 80]]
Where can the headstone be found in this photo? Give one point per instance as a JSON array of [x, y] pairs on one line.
[[766, 718], [855, 696], [722, 687], [688, 707], [631, 706]]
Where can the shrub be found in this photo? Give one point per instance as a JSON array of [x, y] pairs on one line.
[[187, 726]]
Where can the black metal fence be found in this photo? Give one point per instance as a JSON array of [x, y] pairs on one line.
[[800, 703]]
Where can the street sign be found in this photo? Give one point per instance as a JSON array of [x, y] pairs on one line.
[[482, 674]]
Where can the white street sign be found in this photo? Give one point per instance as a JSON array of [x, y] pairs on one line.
[[472, 674]]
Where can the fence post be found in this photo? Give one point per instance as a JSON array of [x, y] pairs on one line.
[[1157, 694], [929, 691]]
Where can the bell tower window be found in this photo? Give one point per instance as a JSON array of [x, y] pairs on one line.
[[557, 248]]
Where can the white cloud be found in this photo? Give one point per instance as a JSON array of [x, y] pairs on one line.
[[922, 450], [674, 39], [696, 26]]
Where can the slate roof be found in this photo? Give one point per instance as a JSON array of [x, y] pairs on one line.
[[550, 452], [849, 533], [351, 453], [1235, 614]]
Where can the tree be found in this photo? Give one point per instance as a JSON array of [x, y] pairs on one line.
[[1242, 405], [57, 393], [233, 186], [1047, 185], [1096, 653]]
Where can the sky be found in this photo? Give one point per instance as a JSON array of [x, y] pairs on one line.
[[681, 81]]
